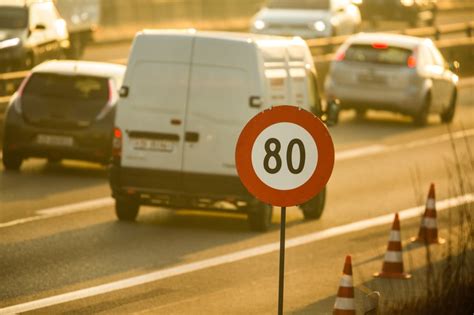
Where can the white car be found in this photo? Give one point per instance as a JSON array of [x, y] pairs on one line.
[[307, 18], [399, 73]]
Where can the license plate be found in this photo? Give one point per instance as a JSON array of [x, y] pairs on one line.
[[373, 78], [152, 145], [55, 140]]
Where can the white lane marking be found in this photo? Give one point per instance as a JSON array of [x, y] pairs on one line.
[[228, 258], [120, 60], [62, 210], [380, 148], [81, 206]]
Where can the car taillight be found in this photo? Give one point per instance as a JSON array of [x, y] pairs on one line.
[[20, 90], [340, 55], [411, 62], [379, 46], [117, 144]]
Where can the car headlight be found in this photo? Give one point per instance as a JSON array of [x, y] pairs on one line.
[[259, 24], [9, 42], [407, 3], [319, 26]]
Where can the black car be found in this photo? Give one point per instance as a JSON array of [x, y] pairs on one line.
[[30, 32], [63, 110], [411, 11]]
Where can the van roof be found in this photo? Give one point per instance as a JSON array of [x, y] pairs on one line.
[[73, 67], [226, 36], [398, 40]]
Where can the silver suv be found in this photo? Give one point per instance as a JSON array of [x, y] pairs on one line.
[[392, 72]]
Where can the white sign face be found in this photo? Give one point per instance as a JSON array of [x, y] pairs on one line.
[[284, 156]]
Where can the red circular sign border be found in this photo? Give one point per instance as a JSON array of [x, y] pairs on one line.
[[317, 181]]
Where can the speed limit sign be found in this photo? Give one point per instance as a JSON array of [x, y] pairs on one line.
[[284, 156]]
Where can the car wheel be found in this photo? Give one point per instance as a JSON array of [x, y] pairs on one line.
[[421, 118], [11, 161], [313, 209], [259, 216], [126, 208], [448, 115]]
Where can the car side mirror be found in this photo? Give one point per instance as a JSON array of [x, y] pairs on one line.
[[454, 66], [39, 27], [332, 113]]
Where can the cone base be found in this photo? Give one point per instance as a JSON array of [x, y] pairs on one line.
[[438, 241], [390, 275]]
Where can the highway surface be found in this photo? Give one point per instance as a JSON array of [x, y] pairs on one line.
[[63, 251]]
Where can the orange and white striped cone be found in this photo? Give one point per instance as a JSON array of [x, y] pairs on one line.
[[393, 261], [345, 304], [428, 233]]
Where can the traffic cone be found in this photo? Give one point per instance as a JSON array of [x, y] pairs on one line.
[[345, 304], [393, 262], [428, 233]]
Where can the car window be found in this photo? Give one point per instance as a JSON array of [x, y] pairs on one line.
[[424, 56], [62, 86], [383, 54], [437, 57], [300, 4], [13, 17]]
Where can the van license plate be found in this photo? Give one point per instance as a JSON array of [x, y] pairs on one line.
[[152, 145], [55, 140]]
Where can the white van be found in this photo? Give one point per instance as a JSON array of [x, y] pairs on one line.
[[186, 97]]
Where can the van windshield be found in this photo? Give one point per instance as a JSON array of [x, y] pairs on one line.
[[13, 17], [299, 4], [386, 55]]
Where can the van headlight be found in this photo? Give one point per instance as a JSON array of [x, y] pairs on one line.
[[11, 42], [259, 25], [319, 26], [407, 3]]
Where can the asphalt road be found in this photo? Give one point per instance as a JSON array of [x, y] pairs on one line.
[[59, 234]]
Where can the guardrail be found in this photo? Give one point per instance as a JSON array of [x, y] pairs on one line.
[[328, 45]]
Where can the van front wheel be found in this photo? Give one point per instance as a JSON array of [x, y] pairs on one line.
[[126, 209], [260, 216]]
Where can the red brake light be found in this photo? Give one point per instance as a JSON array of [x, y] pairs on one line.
[[379, 45], [340, 56], [23, 84], [411, 62], [117, 144]]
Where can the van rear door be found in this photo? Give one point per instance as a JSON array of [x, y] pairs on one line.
[[152, 116], [218, 109]]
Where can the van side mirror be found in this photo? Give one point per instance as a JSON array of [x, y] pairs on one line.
[[123, 92], [332, 113]]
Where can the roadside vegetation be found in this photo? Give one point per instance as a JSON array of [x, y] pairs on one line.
[[448, 285]]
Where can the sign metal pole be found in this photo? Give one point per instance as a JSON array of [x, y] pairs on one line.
[[282, 261]]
